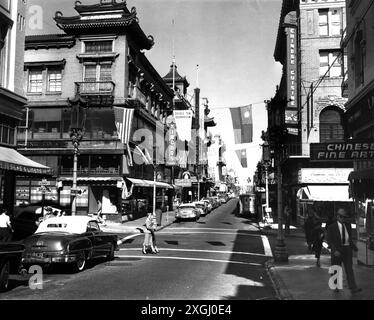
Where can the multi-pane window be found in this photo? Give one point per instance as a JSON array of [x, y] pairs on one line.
[[323, 22], [330, 64], [330, 22], [7, 131], [99, 75], [105, 72], [331, 128], [98, 46], [36, 81], [54, 81]]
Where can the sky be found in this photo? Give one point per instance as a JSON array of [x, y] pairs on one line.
[[233, 43]]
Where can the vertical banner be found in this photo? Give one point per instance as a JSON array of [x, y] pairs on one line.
[[242, 155], [124, 119], [242, 122], [291, 113], [183, 122], [171, 150]]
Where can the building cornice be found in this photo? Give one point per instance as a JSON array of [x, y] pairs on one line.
[[49, 41]]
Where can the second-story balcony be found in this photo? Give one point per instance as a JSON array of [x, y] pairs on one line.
[[96, 92], [137, 96]]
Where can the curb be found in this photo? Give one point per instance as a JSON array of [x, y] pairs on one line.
[[278, 283]]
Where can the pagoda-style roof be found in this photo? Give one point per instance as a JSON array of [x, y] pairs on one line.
[[47, 41], [178, 78], [106, 15]]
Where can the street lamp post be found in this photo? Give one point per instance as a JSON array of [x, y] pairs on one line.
[[280, 252], [76, 135], [266, 160]]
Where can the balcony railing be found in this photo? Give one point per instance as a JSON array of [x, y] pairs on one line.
[[91, 172], [136, 94], [95, 88]]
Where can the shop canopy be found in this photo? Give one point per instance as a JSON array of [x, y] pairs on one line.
[[339, 193], [149, 184], [365, 174], [12, 160]]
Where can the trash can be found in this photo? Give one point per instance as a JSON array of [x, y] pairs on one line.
[[159, 217]]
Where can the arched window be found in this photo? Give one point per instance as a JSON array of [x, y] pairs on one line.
[[331, 126]]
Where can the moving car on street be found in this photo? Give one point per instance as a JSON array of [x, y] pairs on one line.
[[10, 262], [187, 211], [71, 240], [208, 204], [203, 206]]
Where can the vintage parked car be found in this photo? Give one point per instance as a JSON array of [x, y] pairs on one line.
[[10, 262], [187, 211], [70, 240]]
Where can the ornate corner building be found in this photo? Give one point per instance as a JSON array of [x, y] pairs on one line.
[[309, 106], [97, 64]]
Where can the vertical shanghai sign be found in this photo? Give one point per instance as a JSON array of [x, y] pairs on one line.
[[291, 113]]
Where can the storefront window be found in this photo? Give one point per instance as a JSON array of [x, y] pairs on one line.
[[100, 124], [46, 124]]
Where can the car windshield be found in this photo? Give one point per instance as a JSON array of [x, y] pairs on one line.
[[187, 207]]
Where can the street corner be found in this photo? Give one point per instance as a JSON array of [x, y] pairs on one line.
[[280, 287]]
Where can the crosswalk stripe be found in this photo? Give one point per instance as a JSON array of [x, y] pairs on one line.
[[226, 233], [200, 251], [188, 259], [267, 246]]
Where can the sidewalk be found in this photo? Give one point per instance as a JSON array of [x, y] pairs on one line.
[[137, 226], [301, 279]]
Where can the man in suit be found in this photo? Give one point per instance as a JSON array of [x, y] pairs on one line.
[[339, 238]]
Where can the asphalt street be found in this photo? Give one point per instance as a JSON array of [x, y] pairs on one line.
[[220, 257]]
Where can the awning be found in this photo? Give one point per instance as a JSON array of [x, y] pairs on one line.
[[89, 179], [365, 174], [148, 183], [12, 160], [339, 193]]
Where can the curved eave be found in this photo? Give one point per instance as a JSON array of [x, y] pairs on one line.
[[75, 25], [100, 7]]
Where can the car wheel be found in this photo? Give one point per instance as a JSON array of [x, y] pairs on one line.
[[110, 255], [80, 264], [4, 276]]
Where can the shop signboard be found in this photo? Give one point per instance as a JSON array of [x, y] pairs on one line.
[[353, 150], [324, 175], [185, 183]]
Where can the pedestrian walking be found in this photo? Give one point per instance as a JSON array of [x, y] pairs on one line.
[[318, 235], [339, 238], [309, 225], [6, 229], [287, 218], [149, 243]]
